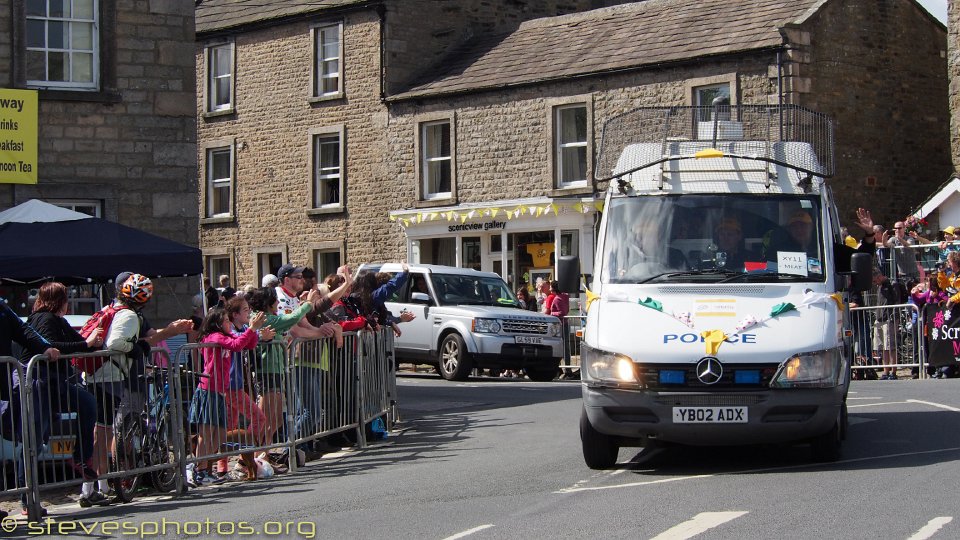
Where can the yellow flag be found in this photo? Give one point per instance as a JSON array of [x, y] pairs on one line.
[[539, 211], [419, 218], [494, 212], [578, 207], [463, 218], [555, 208], [392, 218], [598, 205], [713, 339]]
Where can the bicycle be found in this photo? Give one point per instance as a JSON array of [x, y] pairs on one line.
[[145, 442]]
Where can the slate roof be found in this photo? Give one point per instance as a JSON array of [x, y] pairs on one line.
[[212, 15], [609, 39]]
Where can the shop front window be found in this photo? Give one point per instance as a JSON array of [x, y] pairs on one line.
[[470, 252]]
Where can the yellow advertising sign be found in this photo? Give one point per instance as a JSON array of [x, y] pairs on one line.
[[18, 136]]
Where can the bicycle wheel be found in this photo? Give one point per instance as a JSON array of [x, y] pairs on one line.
[[161, 453], [126, 458]]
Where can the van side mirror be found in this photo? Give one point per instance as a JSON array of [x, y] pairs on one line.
[[568, 274], [862, 266]]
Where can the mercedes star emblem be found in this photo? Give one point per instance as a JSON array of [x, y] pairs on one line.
[[709, 370]]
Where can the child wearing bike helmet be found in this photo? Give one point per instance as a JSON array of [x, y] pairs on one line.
[[208, 407]]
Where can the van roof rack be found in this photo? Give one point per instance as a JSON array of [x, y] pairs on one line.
[[761, 133]]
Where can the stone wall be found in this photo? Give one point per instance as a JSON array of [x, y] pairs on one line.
[[133, 145], [271, 124], [503, 138], [878, 68]]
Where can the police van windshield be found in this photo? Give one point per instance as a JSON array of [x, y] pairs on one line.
[[713, 238], [458, 289]]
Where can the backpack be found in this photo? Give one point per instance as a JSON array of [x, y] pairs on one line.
[[101, 319]]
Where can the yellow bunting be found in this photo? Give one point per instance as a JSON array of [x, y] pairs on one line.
[[838, 298], [598, 205], [471, 214], [591, 297], [494, 212], [578, 207], [463, 218], [713, 340], [392, 218], [555, 208], [405, 223], [419, 218], [539, 211], [522, 209], [434, 215]]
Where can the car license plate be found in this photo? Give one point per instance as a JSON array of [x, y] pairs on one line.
[[709, 415], [62, 446], [529, 340]]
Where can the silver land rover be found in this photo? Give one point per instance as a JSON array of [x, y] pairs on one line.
[[467, 319]]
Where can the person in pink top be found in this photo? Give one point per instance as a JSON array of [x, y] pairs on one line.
[[557, 303], [208, 407]]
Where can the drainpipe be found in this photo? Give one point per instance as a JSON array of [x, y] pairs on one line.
[[780, 88]]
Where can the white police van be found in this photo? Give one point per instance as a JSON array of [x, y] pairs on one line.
[[716, 312]]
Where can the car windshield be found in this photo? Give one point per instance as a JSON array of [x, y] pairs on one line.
[[713, 238], [458, 289]]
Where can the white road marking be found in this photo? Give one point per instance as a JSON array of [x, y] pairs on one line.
[[875, 404], [932, 404], [853, 398], [931, 528], [700, 523], [575, 488], [468, 532]]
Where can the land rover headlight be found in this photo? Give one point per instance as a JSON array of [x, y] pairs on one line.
[[819, 369], [486, 326], [607, 366], [553, 329]]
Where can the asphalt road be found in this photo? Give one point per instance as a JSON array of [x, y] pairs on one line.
[[497, 459]]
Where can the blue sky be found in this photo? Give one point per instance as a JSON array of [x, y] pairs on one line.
[[937, 7]]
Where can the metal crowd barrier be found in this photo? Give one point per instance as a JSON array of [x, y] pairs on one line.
[[14, 447], [572, 333], [377, 369], [887, 337], [315, 389], [323, 393], [75, 422]]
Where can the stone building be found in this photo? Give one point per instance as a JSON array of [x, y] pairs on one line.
[[292, 124], [953, 63], [117, 127], [375, 130], [519, 115]]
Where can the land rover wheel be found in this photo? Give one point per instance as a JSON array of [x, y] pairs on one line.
[[599, 450], [455, 364]]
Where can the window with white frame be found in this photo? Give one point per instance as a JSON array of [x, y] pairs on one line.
[[571, 145], [328, 67], [220, 77], [268, 263], [437, 167], [89, 207], [326, 261], [219, 266], [327, 172], [704, 96], [62, 44], [219, 168]]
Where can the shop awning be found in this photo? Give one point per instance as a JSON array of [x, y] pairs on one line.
[[534, 207]]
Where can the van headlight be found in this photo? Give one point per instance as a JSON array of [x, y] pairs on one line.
[[820, 369], [607, 366], [553, 329], [486, 326]]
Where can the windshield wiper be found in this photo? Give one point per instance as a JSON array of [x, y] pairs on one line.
[[777, 275], [666, 275]]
